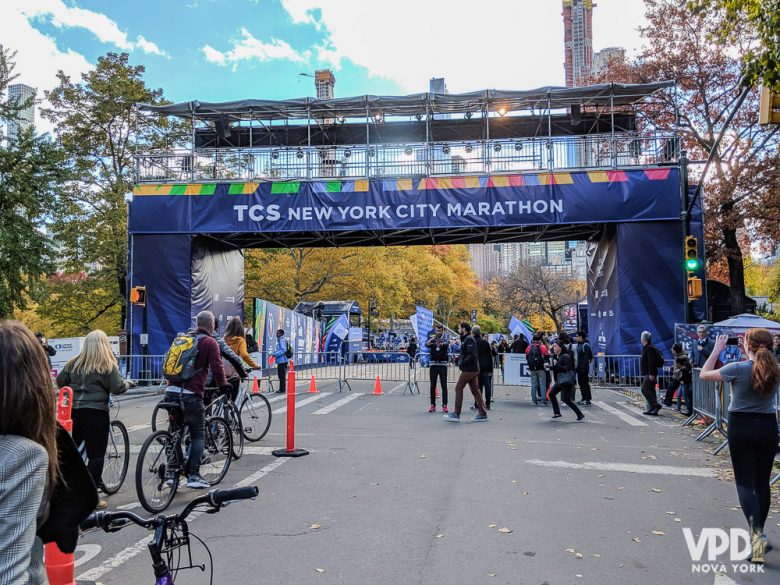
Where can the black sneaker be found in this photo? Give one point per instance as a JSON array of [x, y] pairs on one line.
[[281, 392]]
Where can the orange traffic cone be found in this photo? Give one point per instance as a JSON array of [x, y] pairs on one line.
[[292, 366], [377, 386], [60, 567], [436, 388], [313, 385], [255, 386]]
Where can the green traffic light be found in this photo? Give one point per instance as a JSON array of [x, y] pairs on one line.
[[692, 264]]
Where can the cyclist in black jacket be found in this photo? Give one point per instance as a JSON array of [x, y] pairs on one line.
[[439, 351], [469, 372]]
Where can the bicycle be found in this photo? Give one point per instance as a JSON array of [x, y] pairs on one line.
[[222, 406], [254, 411], [162, 462], [171, 532], [117, 458]]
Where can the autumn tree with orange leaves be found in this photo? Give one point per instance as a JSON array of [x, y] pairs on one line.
[[741, 192]]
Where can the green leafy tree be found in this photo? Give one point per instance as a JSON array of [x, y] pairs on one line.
[[761, 20], [31, 170], [99, 126]]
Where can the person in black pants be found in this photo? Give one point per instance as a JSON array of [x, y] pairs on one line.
[[584, 357], [652, 359], [485, 357], [563, 368], [439, 350], [752, 426]]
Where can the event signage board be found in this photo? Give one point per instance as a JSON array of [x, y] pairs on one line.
[[516, 372], [390, 205]]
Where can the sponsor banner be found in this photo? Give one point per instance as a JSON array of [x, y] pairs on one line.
[[412, 204], [69, 347], [302, 333]]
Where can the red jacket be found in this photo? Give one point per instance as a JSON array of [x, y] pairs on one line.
[[542, 348], [208, 357]]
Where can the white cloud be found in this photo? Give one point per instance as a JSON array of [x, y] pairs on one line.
[[249, 48], [106, 30], [37, 56], [150, 47], [504, 44]]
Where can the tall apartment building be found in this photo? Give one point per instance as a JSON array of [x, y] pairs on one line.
[[602, 58], [485, 260], [20, 93], [578, 39], [324, 82], [559, 256]]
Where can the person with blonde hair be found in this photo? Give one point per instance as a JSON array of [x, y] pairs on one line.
[[29, 468], [752, 426], [93, 375]]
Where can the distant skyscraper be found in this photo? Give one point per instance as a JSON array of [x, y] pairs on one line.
[[602, 58], [485, 261], [578, 39], [20, 93], [324, 82]]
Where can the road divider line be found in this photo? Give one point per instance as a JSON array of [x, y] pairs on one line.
[[309, 400], [628, 468], [634, 422], [134, 550], [338, 404]]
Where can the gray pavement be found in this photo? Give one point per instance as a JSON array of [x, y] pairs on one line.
[[393, 495]]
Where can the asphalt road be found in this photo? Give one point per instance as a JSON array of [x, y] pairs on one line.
[[393, 495]]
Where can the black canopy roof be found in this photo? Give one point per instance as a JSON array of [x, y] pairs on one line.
[[617, 94]]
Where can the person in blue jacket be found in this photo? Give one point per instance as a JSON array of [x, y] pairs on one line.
[[280, 355]]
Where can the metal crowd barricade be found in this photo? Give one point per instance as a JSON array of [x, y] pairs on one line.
[[321, 365], [388, 366], [142, 369], [708, 400], [776, 478]]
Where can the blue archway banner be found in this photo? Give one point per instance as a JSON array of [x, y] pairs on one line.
[[429, 203]]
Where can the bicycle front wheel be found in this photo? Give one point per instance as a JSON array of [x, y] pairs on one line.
[[217, 452], [117, 458], [157, 472], [255, 417], [233, 419]]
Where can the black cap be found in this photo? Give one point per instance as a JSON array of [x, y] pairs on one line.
[[39, 335]]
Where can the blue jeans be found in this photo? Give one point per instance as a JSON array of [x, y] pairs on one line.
[[538, 385], [195, 419]]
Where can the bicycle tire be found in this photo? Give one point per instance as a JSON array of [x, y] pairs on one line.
[[233, 419], [152, 469], [159, 418], [255, 414], [217, 450], [117, 458]]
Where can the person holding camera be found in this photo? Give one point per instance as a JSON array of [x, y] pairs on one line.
[[752, 426], [439, 348]]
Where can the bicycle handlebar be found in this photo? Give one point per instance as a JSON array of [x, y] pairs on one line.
[[109, 521]]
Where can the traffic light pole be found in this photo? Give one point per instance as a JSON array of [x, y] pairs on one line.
[[685, 221]]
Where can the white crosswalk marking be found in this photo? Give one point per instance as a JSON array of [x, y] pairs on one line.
[[132, 428], [625, 417], [631, 407], [338, 404], [309, 400], [628, 467]]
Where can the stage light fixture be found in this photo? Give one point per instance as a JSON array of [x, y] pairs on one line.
[[275, 155], [418, 116], [445, 149], [502, 112], [408, 151], [379, 117], [371, 152], [497, 148], [468, 115], [469, 148], [518, 146], [340, 119], [299, 153], [347, 153]]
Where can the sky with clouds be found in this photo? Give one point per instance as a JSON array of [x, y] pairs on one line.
[[217, 50]]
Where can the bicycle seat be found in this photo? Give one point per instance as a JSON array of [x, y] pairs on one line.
[[171, 407]]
